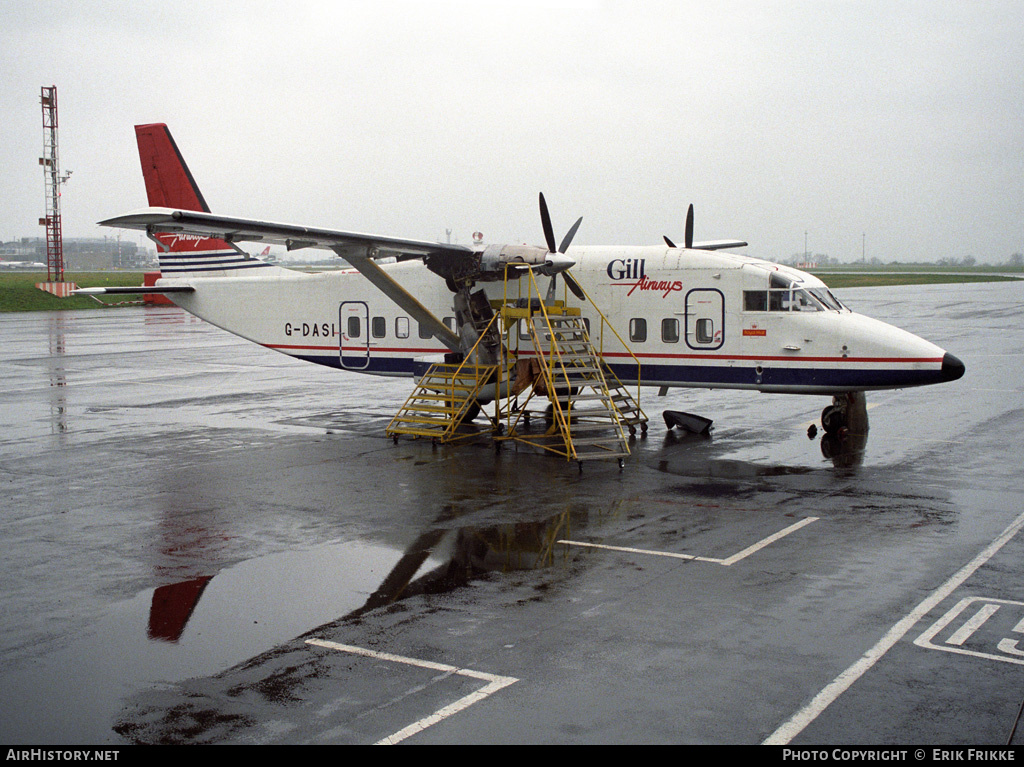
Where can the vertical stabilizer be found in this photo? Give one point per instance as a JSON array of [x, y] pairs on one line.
[[169, 184]]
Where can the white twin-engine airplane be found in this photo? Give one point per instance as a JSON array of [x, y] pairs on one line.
[[693, 316]]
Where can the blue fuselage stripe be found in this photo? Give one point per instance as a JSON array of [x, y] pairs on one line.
[[704, 375]]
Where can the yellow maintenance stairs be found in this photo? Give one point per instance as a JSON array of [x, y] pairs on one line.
[[547, 358], [589, 411], [444, 398]]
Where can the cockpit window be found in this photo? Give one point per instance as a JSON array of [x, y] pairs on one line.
[[755, 300], [803, 301], [785, 295], [825, 296]]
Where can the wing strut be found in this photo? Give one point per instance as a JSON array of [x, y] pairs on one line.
[[381, 280]]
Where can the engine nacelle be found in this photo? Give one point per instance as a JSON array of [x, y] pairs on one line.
[[489, 265], [496, 258]]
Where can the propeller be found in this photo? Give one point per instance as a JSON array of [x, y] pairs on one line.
[[549, 238], [688, 234]]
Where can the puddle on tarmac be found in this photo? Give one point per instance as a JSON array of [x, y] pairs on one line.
[[208, 624], [196, 628]]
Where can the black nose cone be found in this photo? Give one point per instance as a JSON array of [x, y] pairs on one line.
[[952, 368]]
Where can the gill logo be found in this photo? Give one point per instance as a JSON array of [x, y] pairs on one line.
[[633, 269]]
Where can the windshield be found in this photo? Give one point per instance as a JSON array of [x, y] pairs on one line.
[[785, 295], [825, 296]]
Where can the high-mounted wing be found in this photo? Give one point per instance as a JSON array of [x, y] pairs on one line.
[[457, 264], [708, 245], [719, 244], [177, 207], [293, 237], [360, 250]]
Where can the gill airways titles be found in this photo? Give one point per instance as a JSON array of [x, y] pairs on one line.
[[623, 269]]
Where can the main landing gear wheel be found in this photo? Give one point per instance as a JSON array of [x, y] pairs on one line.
[[471, 413]]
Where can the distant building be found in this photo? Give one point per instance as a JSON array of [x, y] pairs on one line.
[[83, 253]]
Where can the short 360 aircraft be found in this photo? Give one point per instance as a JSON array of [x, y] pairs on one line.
[[694, 316]]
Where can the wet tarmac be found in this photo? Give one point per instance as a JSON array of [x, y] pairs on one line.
[[207, 542]]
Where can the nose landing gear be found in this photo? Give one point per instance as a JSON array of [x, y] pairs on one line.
[[847, 414]]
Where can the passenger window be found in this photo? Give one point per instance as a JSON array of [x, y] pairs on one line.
[[354, 327], [379, 327], [705, 331], [424, 332], [450, 322], [638, 330], [670, 331], [402, 327]]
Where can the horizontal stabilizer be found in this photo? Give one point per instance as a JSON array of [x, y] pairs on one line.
[[127, 291]]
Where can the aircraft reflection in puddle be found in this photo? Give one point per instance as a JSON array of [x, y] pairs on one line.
[[172, 606], [845, 451], [471, 552], [465, 554]]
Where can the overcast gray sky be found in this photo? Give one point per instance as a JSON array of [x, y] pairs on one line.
[[895, 124]]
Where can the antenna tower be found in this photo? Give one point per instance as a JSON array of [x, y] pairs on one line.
[[53, 181]]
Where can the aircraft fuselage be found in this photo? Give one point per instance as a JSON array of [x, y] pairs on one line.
[[691, 318]]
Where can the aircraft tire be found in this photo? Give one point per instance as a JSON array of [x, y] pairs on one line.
[[832, 419], [471, 413]]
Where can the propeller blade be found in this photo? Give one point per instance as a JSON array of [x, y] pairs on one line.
[[689, 227], [669, 242], [574, 286], [545, 220], [567, 240]]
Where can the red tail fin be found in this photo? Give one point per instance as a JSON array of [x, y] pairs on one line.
[[169, 183]]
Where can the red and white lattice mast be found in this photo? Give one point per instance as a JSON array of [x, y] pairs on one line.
[[53, 182]]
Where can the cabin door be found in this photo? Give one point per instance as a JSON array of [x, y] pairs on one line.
[[354, 335], [705, 318]]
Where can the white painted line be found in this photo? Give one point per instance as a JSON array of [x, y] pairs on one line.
[[382, 655], [796, 724], [442, 714], [494, 683], [767, 541], [1007, 647], [963, 633], [647, 552], [672, 555]]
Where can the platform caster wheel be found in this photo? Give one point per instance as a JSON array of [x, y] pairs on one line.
[[622, 464], [632, 431]]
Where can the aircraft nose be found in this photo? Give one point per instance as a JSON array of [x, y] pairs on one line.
[[952, 367]]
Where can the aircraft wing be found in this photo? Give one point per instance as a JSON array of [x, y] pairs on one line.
[[360, 250], [292, 236], [718, 244]]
